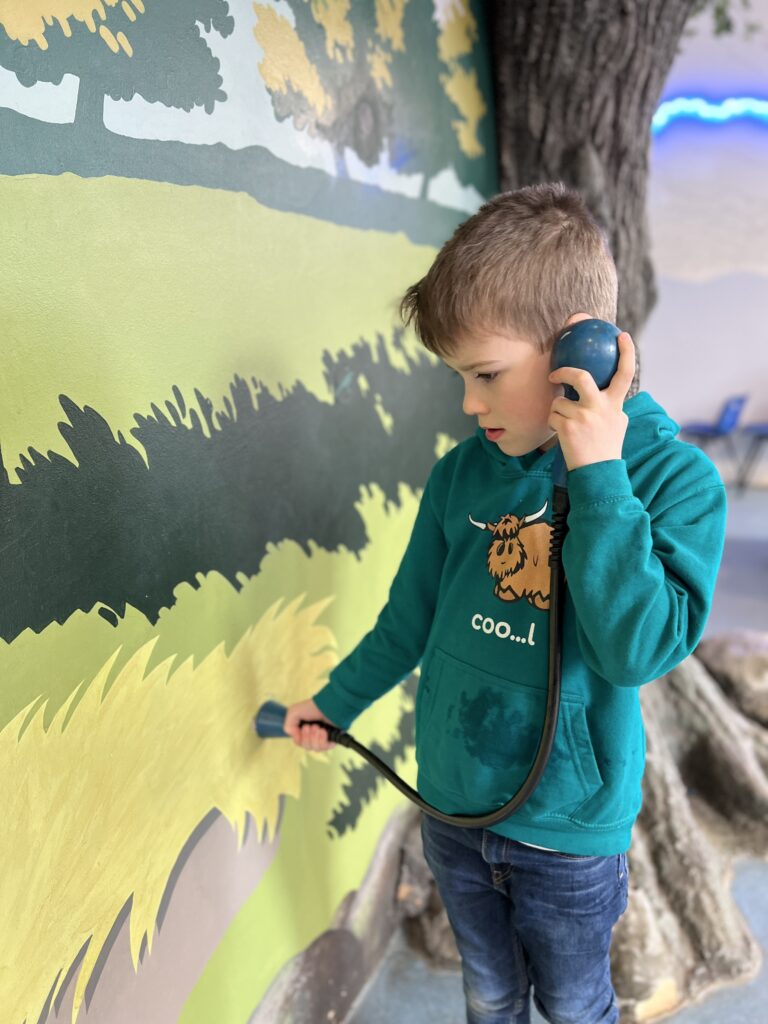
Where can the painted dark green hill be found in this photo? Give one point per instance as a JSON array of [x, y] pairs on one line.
[[34, 147]]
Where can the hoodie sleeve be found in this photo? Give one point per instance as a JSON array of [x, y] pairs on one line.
[[394, 647], [642, 579]]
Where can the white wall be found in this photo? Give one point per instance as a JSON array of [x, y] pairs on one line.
[[708, 211]]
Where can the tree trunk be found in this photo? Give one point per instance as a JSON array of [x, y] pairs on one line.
[[576, 84], [89, 112]]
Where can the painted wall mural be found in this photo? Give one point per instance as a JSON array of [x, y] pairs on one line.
[[213, 438]]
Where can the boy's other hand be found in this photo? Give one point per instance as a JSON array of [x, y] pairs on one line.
[[311, 737], [592, 429]]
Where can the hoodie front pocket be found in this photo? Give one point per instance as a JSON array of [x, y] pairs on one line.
[[477, 735]]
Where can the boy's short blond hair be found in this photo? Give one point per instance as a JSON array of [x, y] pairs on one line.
[[522, 264]]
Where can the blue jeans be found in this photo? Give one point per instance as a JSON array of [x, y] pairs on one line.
[[524, 917]]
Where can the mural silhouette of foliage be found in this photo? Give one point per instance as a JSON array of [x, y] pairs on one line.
[[114, 531], [123, 51]]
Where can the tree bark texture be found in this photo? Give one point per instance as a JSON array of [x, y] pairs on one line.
[[576, 84], [705, 802]]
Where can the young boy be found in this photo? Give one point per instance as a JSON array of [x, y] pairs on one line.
[[532, 901]]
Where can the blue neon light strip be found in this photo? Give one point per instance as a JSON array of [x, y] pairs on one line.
[[703, 110]]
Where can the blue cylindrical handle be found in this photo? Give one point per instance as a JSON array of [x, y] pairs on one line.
[[270, 720], [589, 345]]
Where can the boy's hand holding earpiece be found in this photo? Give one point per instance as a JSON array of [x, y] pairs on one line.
[[311, 737], [592, 429]]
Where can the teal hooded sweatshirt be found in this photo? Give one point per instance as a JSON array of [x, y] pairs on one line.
[[469, 604]]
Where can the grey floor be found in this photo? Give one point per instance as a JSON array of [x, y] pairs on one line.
[[406, 989]]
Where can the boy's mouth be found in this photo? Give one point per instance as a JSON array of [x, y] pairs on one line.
[[493, 433]]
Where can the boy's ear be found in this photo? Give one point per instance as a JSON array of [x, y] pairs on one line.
[[574, 318]]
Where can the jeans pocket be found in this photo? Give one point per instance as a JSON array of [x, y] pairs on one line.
[[572, 856]]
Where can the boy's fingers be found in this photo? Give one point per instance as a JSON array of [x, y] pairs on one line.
[[314, 737], [622, 379]]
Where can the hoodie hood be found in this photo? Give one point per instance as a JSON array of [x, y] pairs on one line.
[[649, 428]]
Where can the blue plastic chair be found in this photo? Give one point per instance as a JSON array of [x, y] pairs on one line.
[[722, 429]]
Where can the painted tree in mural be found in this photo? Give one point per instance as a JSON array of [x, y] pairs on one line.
[[395, 90], [118, 50], [444, 71], [575, 96]]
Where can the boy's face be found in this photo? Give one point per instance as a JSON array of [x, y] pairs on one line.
[[510, 390]]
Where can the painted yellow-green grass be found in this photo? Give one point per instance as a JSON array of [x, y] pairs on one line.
[[87, 819], [113, 290], [102, 807], [302, 887]]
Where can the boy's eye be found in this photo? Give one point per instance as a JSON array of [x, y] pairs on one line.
[[487, 377]]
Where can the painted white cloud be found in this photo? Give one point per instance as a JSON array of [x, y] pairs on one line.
[[43, 101], [382, 174], [446, 189]]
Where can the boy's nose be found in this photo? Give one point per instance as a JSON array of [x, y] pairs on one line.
[[473, 405]]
